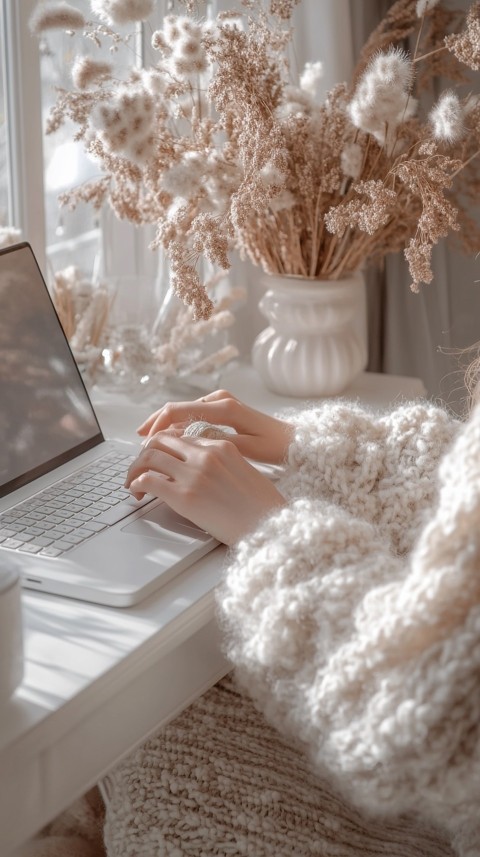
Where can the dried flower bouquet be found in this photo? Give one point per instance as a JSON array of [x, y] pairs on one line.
[[218, 146]]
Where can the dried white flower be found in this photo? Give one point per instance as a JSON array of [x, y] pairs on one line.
[[351, 160], [392, 67], [424, 6], [271, 176], [283, 201], [9, 235], [120, 12], [125, 123], [447, 118], [312, 73], [180, 41], [296, 101], [381, 100], [87, 71], [159, 42], [220, 182], [56, 16], [185, 66], [215, 361], [189, 47], [177, 27], [184, 178], [153, 81]]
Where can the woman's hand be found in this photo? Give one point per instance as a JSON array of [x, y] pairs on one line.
[[259, 437], [207, 481]]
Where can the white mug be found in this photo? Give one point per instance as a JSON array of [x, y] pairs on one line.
[[11, 632]]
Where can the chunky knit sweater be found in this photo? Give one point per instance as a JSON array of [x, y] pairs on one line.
[[353, 614], [352, 618]]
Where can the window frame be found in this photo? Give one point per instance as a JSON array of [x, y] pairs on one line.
[[24, 124], [122, 245]]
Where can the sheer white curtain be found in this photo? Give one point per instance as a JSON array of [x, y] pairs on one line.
[[324, 31], [422, 334]]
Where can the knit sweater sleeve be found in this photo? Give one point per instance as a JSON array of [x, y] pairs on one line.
[[366, 655], [380, 468]]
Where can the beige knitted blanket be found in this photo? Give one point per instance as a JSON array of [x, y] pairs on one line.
[[219, 782]]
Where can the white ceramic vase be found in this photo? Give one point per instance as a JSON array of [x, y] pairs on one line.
[[316, 343]]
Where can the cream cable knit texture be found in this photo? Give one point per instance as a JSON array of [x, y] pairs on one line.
[[352, 616], [219, 782]]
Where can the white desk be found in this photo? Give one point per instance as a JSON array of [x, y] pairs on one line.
[[98, 680]]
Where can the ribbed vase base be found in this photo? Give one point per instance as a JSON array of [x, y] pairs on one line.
[[316, 342]]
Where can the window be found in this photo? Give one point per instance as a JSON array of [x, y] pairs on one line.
[[4, 205], [69, 235], [23, 131], [79, 236], [36, 168], [5, 215]]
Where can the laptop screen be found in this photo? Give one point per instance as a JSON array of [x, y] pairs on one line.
[[46, 418]]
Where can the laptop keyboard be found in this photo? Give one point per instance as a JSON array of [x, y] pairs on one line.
[[72, 510]]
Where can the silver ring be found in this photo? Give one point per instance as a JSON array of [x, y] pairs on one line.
[[200, 428]]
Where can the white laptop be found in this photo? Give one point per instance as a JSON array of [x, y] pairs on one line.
[[64, 514]]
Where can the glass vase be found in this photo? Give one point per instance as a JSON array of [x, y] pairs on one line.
[[128, 360], [153, 346]]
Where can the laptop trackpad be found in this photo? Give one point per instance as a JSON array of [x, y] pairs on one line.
[[162, 522]]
